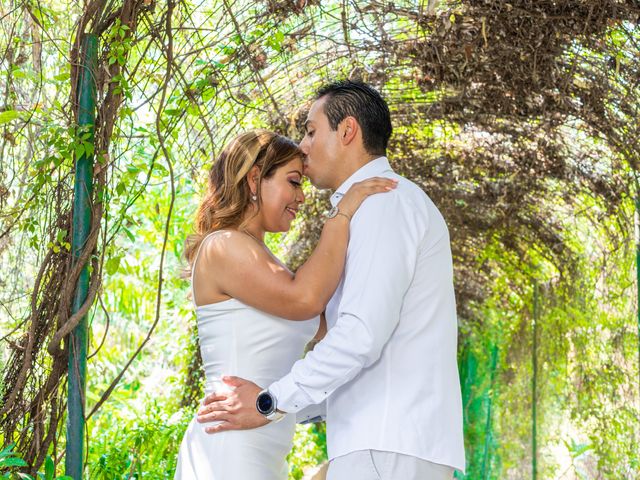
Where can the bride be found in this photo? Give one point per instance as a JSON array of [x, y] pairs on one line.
[[254, 315]]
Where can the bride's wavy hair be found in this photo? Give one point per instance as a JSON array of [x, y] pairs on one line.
[[228, 196]]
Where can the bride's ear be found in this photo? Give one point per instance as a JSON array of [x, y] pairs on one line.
[[252, 179]]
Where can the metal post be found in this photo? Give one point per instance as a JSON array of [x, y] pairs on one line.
[[534, 393], [486, 466], [468, 376], [74, 460]]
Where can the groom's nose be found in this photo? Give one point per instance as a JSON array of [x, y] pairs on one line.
[[303, 146]]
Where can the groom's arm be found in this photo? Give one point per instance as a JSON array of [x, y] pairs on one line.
[[385, 238]]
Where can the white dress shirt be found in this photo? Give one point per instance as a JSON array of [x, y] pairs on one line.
[[387, 366]]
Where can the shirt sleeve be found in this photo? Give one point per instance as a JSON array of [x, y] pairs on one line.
[[386, 233], [312, 413]]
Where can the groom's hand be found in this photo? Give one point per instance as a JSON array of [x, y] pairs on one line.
[[236, 409]]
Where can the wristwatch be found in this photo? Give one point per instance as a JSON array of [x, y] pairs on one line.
[[334, 212], [267, 405]]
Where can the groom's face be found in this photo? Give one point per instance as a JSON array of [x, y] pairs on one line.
[[321, 145]]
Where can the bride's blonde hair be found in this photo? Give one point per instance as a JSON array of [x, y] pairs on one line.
[[228, 195]]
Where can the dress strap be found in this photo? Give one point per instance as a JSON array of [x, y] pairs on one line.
[[193, 267]]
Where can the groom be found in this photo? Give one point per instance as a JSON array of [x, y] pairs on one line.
[[387, 366]]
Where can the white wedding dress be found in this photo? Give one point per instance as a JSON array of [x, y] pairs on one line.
[[236, 339]]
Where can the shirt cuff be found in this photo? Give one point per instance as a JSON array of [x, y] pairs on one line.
[[289, 396], [312, 414]]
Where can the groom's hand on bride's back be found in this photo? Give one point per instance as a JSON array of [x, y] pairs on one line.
[[234, 409]]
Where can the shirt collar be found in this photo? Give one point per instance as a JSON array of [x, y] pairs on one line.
[[370, 169]]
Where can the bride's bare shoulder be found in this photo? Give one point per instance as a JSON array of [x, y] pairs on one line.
[[226, 246]]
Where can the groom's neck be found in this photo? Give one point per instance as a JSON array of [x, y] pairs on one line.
[[351, 166]]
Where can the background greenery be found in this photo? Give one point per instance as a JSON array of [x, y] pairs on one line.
[[519, 119]]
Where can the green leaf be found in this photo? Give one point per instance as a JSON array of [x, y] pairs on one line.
[[275, 40], [193, 110], [129, 234], [79, 150], [13, 462], [121, 188], [160, 169], [8, 116], [49, 469], [7, 451], [62, 77], [84, 132], [208, 93], [112, 265], [88, 147]]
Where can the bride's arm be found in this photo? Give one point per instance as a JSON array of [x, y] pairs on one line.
[[242, 268]]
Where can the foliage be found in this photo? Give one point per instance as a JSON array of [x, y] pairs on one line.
[[144, 445], [519, 119], [309, 449], [10, 462]]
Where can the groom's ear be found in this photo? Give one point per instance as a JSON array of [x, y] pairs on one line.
[[348, 130]]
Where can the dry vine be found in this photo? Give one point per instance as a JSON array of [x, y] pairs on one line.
[[32, 406]]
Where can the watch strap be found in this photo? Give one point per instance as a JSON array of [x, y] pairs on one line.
[[275, 416]]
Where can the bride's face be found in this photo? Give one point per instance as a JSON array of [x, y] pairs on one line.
[[281, 196]]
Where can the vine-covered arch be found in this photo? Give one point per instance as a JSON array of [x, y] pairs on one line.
[[518, 118]]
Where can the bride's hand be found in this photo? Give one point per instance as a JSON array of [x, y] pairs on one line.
[[356, 194]]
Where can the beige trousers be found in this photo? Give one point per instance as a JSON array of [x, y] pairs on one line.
[[377, 465]]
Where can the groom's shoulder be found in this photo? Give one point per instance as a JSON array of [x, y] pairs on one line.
[[406, 196], [410, 194], [414, 194]]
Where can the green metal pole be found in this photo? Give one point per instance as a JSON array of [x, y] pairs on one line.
[[74, 460], [487, 430], [534, 393], [469, 367]]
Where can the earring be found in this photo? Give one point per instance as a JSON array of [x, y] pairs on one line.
[[254, 197]]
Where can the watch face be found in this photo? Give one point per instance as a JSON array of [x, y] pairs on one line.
[[265, 403], [333, 212]]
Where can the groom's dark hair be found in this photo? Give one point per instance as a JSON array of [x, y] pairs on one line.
[[348, 98]]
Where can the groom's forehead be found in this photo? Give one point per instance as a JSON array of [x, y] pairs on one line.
[[315, 113], [317, 108]]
